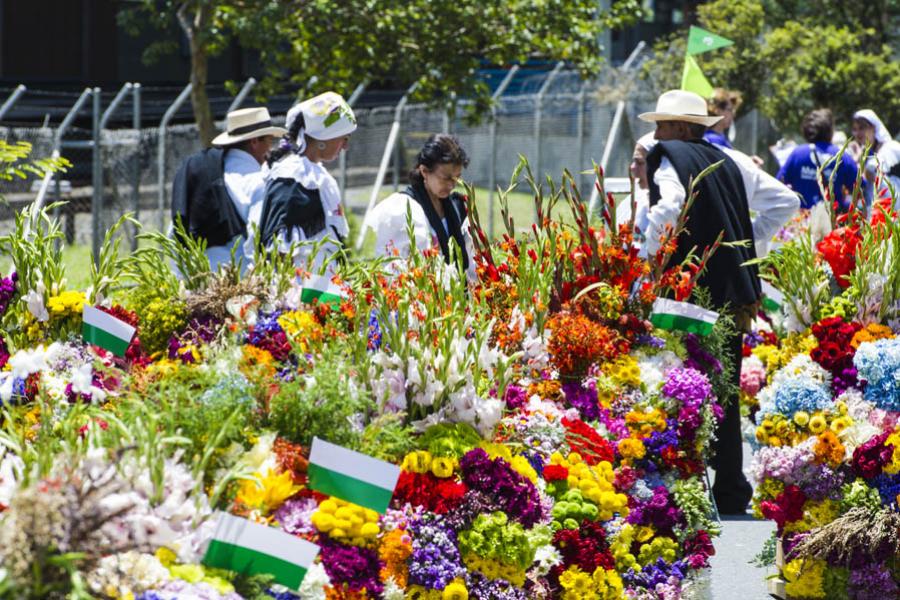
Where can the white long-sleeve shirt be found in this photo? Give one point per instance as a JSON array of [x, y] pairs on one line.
[[245, 182], [772, 202]]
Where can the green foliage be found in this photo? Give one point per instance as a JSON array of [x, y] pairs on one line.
[[324, 402], [766, 556], [811, 66], [14, 163], [790, 57], [439, 43]]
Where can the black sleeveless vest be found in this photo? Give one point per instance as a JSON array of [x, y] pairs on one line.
[[721, 205]]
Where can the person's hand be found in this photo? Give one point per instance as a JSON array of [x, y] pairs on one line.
[[757, 161]]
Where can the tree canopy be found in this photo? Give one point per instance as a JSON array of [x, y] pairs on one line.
[[826, 54], [440, 44]]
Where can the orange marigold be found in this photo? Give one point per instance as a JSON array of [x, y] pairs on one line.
[[395, 549], [829, 449]]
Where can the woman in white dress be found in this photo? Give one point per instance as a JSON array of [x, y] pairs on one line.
[[884, 155], [302, 203], [438, 213]]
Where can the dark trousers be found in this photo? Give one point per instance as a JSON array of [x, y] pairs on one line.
[[731, 490]]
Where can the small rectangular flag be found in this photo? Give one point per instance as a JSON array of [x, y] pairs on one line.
[[104, 330], [701, 40], [773, 299], [251, 549], [672, 315], [321, 288], [351, 476]]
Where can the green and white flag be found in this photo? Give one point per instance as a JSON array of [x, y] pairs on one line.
[[672, 315], [773, 299], [104, 330], [321, 288], [251, 549], [701, 40], [351, 476]]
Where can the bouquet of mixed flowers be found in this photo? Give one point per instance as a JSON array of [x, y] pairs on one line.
[[551, 442]]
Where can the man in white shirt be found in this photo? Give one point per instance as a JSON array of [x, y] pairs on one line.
[[214, 190], [724, 201]]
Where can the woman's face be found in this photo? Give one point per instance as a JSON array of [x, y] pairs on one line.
[[441, 180], [332, 148], [724, 109], [638, 167], [863, 132]]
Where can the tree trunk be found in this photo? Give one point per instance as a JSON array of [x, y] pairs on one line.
[[199, 99], [195, 30]]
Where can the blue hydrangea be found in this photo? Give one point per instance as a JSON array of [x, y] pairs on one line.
[[801, 393], [878, 364]]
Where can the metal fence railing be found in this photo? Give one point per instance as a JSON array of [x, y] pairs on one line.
[[554, 118]]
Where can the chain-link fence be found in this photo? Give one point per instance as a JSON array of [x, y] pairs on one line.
[[554, 118]]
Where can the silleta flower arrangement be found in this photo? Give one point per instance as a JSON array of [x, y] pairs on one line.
[[550, 441], [822, 384]]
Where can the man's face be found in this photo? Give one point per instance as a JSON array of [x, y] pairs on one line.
[[259, 147], [671, 130]]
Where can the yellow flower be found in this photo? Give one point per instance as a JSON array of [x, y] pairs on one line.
[[817, 423], [801, 418], [455, 590], [267, 492]]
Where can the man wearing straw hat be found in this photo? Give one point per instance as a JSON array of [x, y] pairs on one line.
[[724, 200], [214, 189]]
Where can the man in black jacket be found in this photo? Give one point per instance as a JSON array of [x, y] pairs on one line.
[[723, 204], [215, 188]]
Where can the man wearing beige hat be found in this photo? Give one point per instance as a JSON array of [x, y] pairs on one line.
[[724, 200], [214, 190]]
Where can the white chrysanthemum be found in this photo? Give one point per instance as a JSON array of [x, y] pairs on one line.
[[313, 586]]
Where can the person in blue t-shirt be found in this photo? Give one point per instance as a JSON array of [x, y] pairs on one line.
[[800, 169]]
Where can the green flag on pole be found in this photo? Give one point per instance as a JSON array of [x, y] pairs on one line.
[[701, 40], [693, 79]]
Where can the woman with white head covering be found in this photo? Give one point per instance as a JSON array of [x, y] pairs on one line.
[[302, 201], [868, 129]]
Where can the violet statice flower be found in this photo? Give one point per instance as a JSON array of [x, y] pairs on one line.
[[351, 565], [872, 581], [295, 516], [435, 560], [7, 291], [515, 493], [660, 440], [888, 487], [515, 397], [583, 397]]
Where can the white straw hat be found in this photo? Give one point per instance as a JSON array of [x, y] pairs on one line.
[[246, 124], [680, 105]]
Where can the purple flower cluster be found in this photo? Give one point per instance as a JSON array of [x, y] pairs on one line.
[[295, 516], [4, 352], [645, 339], [199, 331], [515, 397], [374, 332], [698, 358], [517, 496], [687, 385], [583, 398], [658, 511], [844, 380], [888, 487], [7, 291], [872, 581], [660, 440], [435, 559], [351, 565], [654, 574]]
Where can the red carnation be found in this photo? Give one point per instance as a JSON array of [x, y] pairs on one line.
[[555, 473]]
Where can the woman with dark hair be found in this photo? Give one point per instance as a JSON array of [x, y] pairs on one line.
[[438, 213], [302, 200]]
